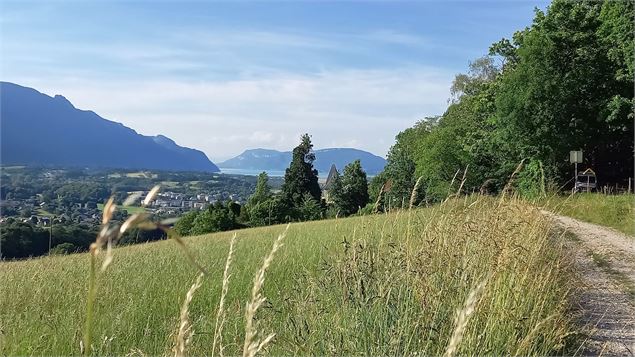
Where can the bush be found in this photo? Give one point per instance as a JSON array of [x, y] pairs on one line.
[[64, 248], [531, 180], [310, 209]]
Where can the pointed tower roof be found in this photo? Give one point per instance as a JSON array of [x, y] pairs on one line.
[[329, 179]]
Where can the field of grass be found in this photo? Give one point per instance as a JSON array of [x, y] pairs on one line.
[[389, 284], [129, 209], [43, 212], [138, 174], [141, 174], [616, 211], [169, 184]]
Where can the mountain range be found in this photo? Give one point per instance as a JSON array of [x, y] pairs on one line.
[[37, 129], [267, 159]]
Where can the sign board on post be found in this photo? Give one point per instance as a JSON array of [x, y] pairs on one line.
[[575, 157]]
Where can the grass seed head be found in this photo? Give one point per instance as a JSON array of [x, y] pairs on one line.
[[132, 199], [109, 209], [185, 331], [150, 196], [252, 345], [462, 318]]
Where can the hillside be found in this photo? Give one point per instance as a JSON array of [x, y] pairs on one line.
[[386, 284], [267, 159], [40, 130]]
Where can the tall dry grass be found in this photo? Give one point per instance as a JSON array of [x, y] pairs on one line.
[[406, 289], [462, 318], [253, 344], [403, 282], [185, 331], [220, 313]]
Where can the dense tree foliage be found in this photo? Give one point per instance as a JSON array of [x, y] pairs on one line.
[[272, 211], [564, 83], [301, 178], [336, 195], [354, 189], [25, 239], [310, 209], [217, 217], [263, 207], [79, 192], [184, 225], [567, 90], [21, 240], [397, 180], [263, 190]]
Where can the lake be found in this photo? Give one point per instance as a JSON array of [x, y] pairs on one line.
[[271, 173]]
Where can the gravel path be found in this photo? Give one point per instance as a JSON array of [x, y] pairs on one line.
[[605, 260]]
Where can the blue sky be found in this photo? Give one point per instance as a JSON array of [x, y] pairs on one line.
[[226, 76]]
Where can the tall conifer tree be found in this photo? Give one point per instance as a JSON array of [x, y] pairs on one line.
[[301, 178]]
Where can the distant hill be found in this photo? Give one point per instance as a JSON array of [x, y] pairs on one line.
[[266, 159], [37, 129]]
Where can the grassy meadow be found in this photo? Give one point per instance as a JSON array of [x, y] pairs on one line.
[[616, 211], [478, 276]]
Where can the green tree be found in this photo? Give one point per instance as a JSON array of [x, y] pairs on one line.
[[310, 209], [203, 224], [263, 190], [374, 189], [63, 248], [464, 138], [336, 195], [184, 225], [354, 189], [570, 90], [216, 218], [263, 208], [616, 31], [21, 240], [481, 72], [234, 209], [565, 82], [301, 178], [271, 211], [400, 170]]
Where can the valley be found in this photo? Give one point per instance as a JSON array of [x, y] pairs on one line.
[[317, 178], [42, 208]]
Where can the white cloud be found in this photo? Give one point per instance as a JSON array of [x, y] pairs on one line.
[[353, 108]]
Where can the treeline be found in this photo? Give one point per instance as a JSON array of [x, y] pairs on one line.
[[23, 239], [564, 83], [300, 198]]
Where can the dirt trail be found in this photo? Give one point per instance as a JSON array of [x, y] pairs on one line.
[[605, 260]]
